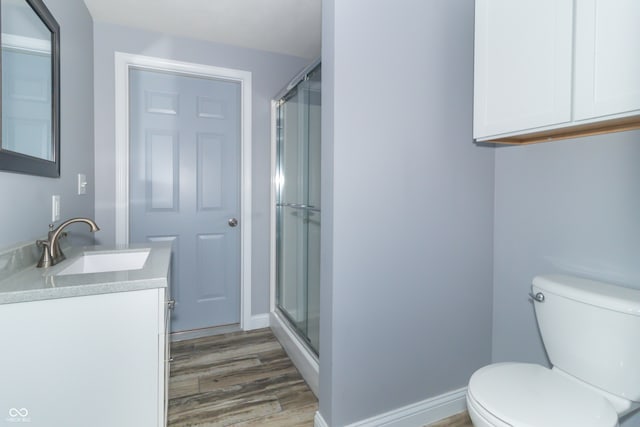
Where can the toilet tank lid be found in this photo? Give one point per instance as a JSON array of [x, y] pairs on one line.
[[600, 294]]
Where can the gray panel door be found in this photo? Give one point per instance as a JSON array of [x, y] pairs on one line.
[[185, 188]]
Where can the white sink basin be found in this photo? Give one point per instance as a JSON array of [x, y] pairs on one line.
[[100, 262]]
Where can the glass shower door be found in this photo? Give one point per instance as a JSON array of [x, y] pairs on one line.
[[298, 208]]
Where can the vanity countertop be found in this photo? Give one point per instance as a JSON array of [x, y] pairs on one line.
[[23, 284]]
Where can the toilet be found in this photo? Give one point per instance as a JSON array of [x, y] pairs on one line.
[[591, 331]]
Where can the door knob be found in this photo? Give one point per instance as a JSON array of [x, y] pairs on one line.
[[232, 222]]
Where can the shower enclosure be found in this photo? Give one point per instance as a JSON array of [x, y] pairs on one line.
[[298, 207]]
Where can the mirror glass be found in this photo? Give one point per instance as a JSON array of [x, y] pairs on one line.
[[29, 42]]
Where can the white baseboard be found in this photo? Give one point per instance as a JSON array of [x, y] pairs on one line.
[[299, 354], [257, 321], [318, 421], [418, 414]]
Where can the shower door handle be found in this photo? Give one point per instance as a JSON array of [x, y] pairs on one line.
[[299, 206], [233, 222]]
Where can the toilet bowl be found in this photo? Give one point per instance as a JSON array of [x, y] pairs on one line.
[[480, 416], [527, 395], [588, 330]]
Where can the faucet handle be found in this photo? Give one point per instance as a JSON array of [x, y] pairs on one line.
[[45, 258]]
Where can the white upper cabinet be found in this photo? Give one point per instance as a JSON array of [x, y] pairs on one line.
[[522, 65], [607, 69], [548, 69]]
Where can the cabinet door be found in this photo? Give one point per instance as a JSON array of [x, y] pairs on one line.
[[165, 351], [607, 58], [83, 361], [523, 65]]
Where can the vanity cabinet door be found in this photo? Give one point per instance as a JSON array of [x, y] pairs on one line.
[[166, 304], [607, 70], [82, 361], [523, 65]]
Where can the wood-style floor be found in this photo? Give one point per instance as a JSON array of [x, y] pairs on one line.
[[237, 379], [243, 379], [460, 420]]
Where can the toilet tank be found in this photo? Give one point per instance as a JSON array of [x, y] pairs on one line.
[[591, 330]]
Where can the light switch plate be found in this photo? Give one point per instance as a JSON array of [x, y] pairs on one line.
[[55, 208], [82, 183]]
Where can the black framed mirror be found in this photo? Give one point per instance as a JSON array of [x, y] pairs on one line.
[[30, 65]]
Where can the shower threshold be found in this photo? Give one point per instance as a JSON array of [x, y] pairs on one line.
[[304, 359]]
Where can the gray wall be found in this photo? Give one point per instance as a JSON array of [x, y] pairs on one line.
[[563, 207], [270, 72], [407, 207], [26, 200]]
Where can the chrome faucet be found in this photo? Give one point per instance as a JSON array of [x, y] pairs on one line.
[[51, 252]]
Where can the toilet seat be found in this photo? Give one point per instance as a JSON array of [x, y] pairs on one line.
[[480, 416], [527, 395]]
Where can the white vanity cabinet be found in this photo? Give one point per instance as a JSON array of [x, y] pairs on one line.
[[549, 69], [95, 360]]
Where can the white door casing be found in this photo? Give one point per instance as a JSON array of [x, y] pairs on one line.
[[123, 62]]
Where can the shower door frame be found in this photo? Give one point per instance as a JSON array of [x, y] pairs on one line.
[[301, 300], [305, 360]]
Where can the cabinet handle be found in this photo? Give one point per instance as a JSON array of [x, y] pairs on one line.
[[171, 304]]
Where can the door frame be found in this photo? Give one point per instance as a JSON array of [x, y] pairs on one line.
[[123, 63]]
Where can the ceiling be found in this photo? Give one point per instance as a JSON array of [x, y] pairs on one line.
[[290, 27]]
